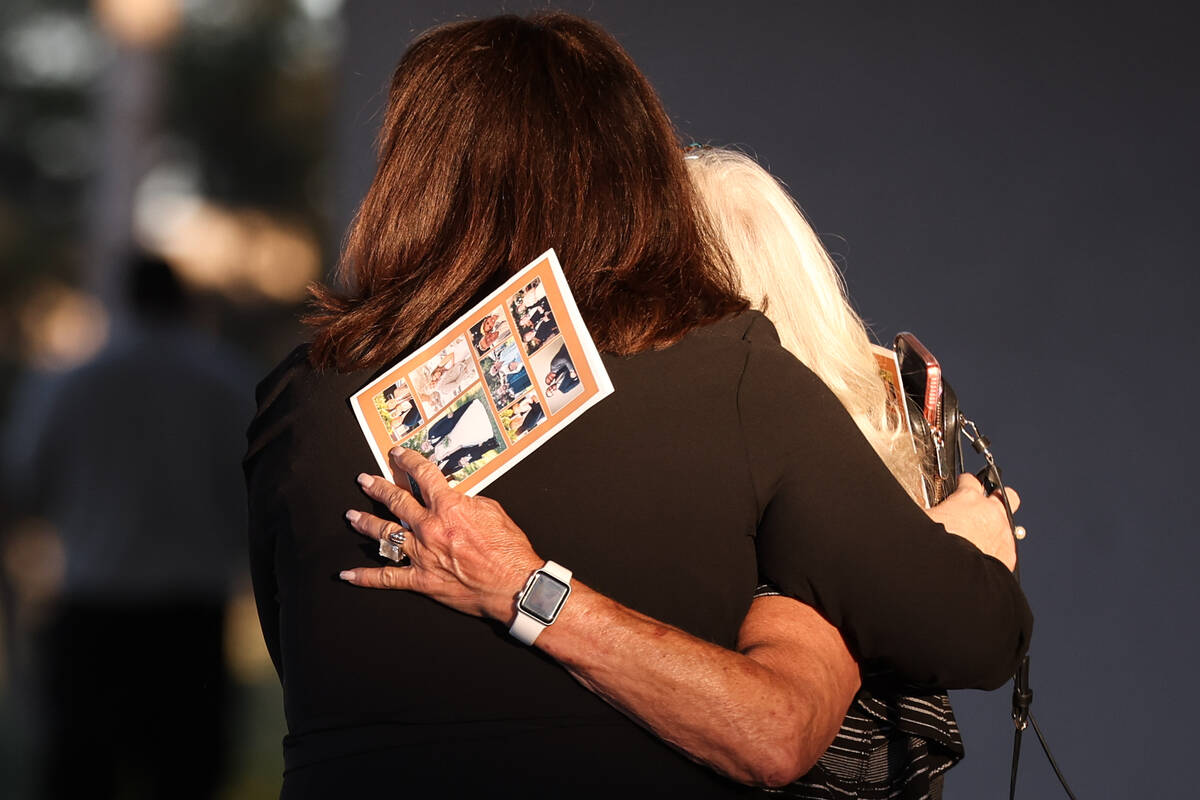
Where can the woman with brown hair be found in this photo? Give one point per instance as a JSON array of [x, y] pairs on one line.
[[672, 496]]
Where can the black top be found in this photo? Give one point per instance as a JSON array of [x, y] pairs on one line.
[[716, 462]]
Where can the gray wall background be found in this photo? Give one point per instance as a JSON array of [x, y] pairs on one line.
[[1017, 183]]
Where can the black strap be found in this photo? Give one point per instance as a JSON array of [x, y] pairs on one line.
[[1012, 780], [1022, 696], [1022, 699], [1046, 749]]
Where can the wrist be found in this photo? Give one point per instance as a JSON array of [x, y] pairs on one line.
[[502, 604], [539, 602]]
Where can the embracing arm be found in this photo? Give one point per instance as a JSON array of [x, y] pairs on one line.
[[760, 715], [839, 533]]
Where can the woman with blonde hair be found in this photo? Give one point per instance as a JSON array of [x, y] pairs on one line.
[[788, 275]]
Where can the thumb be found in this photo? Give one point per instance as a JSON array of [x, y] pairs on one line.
[[379, 577]]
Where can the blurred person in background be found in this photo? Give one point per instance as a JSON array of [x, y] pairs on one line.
[[133, 458]]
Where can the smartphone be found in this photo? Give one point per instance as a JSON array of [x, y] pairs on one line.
[[921, 375]]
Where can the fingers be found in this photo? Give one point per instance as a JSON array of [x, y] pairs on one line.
[[399, 501], [969, 483], [429, 478], [379, 577], [371, 525]]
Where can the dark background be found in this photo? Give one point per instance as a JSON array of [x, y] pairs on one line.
[[1015, 183]]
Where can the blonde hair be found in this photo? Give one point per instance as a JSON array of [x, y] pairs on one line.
[[788, 275]]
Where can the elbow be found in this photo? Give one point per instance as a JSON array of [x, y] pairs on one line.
[[1006, 663], [779, 764], [988, 672], [1009, 648], [793, 735], [784, 746], [781, 774], [982, 652], [984, 663]]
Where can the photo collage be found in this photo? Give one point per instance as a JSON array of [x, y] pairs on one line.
[[506, 374]]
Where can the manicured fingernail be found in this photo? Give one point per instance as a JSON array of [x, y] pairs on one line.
[[365, 480], [346, 574], [353, 515], [395, 451]]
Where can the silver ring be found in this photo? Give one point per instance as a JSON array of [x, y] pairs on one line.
[[391, 546]]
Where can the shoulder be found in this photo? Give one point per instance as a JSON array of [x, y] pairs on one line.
[[292, 369], [769, 369], [757, 338], [297, 398], [735, 338], [276, 396], [303, 440], [740, 355], [294, 383], [748, 326]]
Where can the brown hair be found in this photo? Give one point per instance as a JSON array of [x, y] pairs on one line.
[[503, 137]]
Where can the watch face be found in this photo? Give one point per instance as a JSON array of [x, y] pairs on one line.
[[544, 597]]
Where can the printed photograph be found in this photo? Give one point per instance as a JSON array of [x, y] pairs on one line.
[[398, 410], [490, 331], [505, 374], [522, 416], [536, 324], [556, 374], [462, 439], [889, 373], [445, 376]]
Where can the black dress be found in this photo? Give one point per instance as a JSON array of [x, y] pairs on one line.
[[717, 462]]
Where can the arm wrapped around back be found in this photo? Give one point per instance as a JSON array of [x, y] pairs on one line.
[[837, 532]]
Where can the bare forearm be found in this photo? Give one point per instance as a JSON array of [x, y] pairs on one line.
[[761, 723]]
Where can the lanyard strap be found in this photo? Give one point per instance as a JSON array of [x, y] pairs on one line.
[[1022, 696]]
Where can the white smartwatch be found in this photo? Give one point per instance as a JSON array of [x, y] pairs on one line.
[[540, 601]]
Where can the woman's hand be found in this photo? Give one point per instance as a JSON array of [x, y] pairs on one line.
[[979, 518], [463, 551]]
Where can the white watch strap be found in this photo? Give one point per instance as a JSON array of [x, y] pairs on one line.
[[525, 628], [558, 571]]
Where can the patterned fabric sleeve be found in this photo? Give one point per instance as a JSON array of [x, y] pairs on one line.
[[891, 746]]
